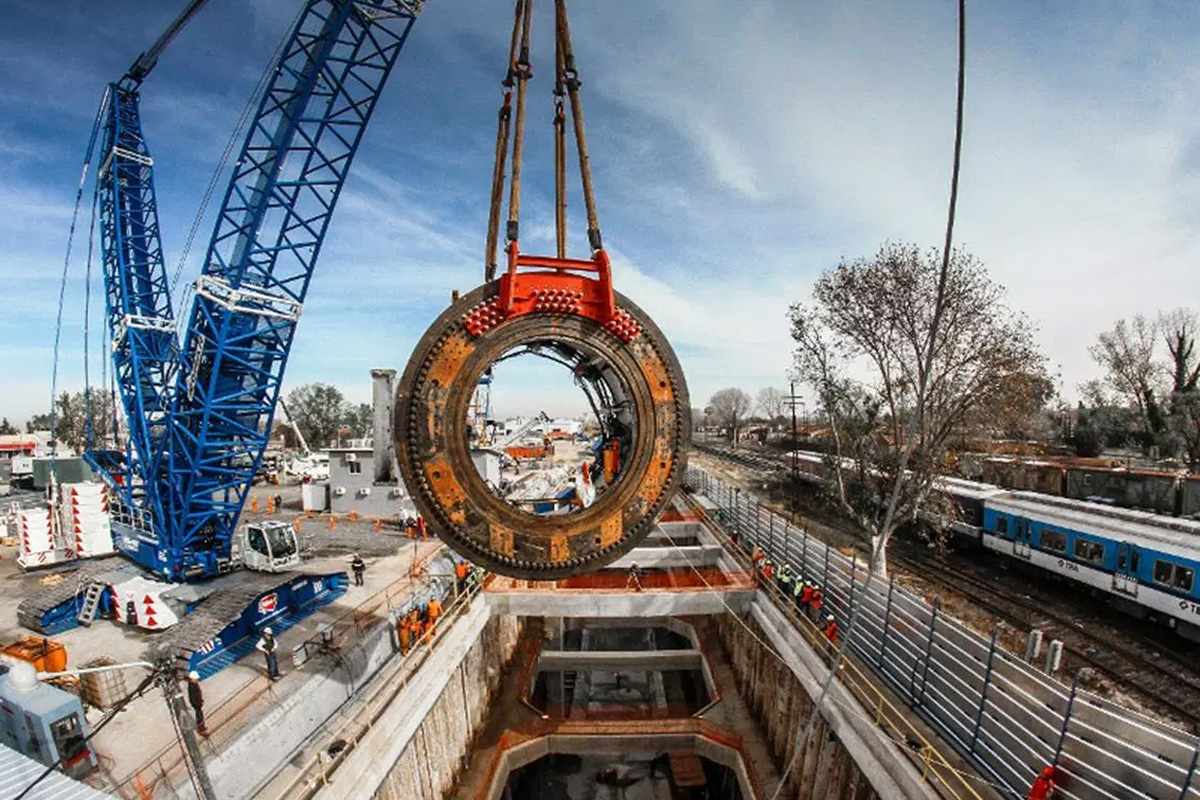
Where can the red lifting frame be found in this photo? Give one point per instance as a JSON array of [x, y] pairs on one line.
[[556, 286]]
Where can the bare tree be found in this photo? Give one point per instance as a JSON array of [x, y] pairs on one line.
[[1126, 354], [1182, 429], [876, 317], [729, 407], [771, 403]]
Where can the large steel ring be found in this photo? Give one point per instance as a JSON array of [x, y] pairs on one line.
[[635, 362]]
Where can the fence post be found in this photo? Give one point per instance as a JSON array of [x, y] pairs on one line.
[[825, 578], [804, 554], [987, 680], [1187, 782], [887, 622], [1062, 736], [853, 583], [771, 532], [918, 697]]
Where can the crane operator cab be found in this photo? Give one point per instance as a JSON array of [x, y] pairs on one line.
[[269, 546]]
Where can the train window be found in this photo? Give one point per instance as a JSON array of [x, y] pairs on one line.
[[1053, 540], [1133, 561], [1174, 575], [1002, 526], [1089, 551]]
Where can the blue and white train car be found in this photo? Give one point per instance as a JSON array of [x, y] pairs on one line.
[[1147, 564]]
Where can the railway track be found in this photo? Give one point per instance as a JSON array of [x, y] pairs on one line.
[[1160, 675]]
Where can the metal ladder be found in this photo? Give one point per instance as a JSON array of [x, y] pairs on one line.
[[91, 603]]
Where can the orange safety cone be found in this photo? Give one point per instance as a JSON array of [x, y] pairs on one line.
[[270, 505], [353, 516], [378, 524], [254, 504], [308, 513], [332, 524], [296, 524]]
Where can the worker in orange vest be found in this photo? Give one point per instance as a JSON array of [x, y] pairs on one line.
[[429, 629], [831, 629], [422, 531], [815, 602], [435, 609], [768, 570], [461, 570], [1043, 787], [405, 630]]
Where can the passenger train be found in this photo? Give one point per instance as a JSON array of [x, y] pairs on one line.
[[1144, 564]]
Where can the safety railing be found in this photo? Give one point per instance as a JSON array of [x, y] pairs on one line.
[[365, 711], [1004, 716], [896, 723], [224, 720]]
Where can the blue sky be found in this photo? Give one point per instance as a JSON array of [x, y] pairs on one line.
[[738, 148]]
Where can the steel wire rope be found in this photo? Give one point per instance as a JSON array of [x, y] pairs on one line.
[[503, 130], [248, 107], [922, 388], [62, 286], [87, 318]]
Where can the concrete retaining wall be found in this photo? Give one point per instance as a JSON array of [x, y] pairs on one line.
[[780, 694], [435, 753]]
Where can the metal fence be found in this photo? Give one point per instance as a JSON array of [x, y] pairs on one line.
[[1003, 715]]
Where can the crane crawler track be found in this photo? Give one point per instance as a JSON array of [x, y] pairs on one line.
[[635, 362]]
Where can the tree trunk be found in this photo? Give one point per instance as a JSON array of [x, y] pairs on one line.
[[879, 545]]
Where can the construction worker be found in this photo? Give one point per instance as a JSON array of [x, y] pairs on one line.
[[798, 587], [131, 612], [815, 602], [1043, 787], [784, 579], [196, 701], [358, 567], [831, 629], [768, 572], [758, 556], [435, 609], [267, 645], [404, 629], [635, 578], [461, 571], [422, 530], [278, 503]]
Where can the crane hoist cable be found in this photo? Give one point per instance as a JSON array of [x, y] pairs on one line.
[[547, 304]]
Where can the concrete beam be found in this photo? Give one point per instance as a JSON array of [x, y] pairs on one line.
[[664, 557], [617, 604], [619, 660]]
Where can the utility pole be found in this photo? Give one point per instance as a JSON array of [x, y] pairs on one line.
[[183, 722], [795, 463]]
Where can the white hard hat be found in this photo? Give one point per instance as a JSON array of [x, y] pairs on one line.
[[267, 631], [829, 617], [193, 676]]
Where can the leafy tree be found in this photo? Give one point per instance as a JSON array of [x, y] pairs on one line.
[[39, 422], [359, 419], [319, 410], [978, 364], [771, 403], [73, 412], [729, 407], [7, 428]]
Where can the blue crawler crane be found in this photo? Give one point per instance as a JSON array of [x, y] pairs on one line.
[[199, 395]]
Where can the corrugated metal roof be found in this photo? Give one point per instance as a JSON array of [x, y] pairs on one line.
[[18, 771]]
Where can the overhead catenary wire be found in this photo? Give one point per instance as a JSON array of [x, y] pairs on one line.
[[922, 388]]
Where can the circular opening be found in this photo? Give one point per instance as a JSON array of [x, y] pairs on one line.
[[548, 427]]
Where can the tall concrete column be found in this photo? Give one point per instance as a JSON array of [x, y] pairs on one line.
[[383, 397]]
